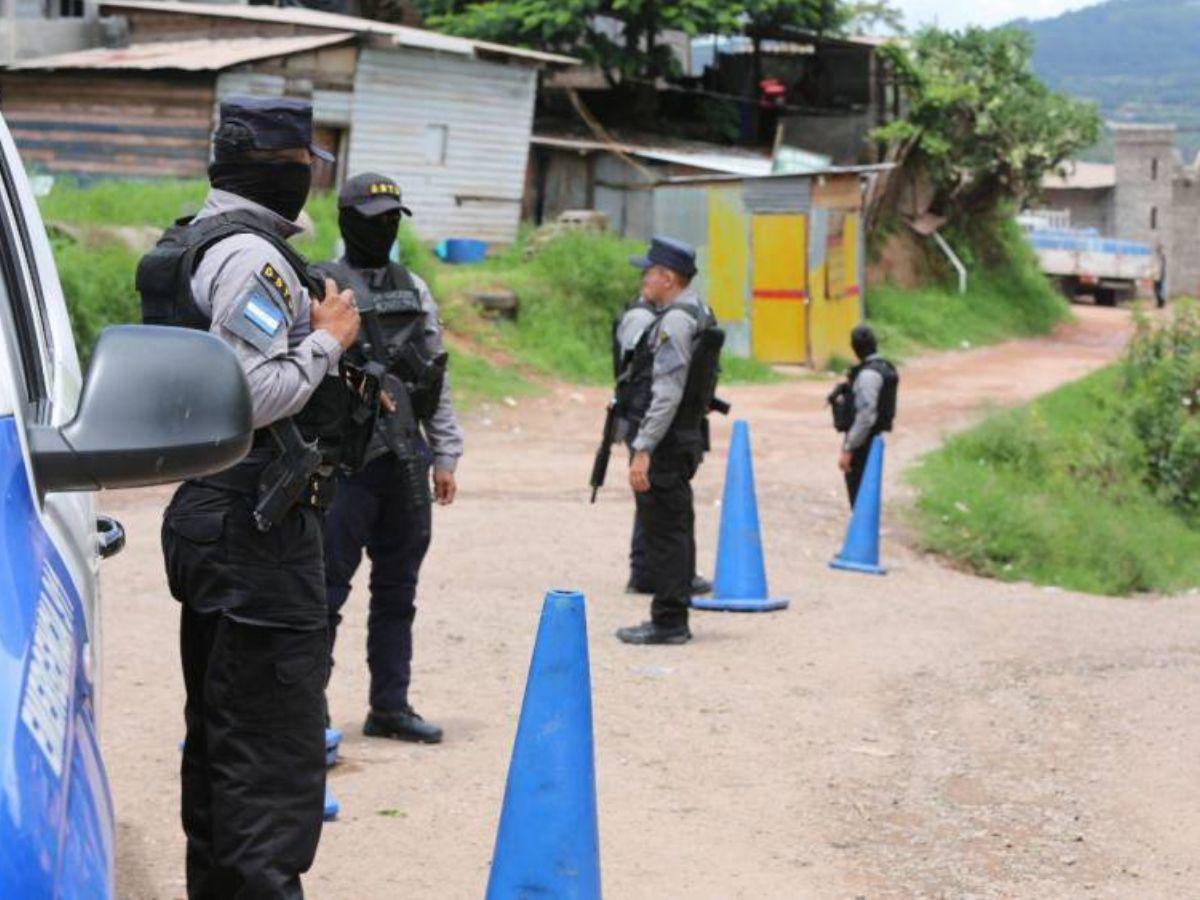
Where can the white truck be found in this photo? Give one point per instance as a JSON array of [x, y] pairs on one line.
[[1083, 262]]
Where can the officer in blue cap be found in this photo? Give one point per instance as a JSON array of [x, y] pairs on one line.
[[243, 547], [664, 391]]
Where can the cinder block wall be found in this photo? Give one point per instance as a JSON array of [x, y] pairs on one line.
[[1147, 165]]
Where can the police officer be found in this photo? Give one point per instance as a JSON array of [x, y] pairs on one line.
[[663, 395], [634, 320], [246, 565], [386, 508], [874, 383]]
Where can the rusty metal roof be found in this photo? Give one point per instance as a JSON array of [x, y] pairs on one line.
[[204, 55], [713, 157], [400, 35]]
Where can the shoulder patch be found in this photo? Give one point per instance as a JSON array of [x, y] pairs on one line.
[[276, 281], [256, 319]]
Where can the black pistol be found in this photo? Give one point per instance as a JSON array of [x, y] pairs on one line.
[[288, 477]]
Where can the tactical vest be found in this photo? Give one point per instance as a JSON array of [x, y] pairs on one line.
[[886, 407], [335, 416], [689, 429], [411, 356]]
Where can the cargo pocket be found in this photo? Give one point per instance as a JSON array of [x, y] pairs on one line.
[[191, 543], [275, 677]]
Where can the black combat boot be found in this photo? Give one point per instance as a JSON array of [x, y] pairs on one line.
[[650, 633], [402, 725]]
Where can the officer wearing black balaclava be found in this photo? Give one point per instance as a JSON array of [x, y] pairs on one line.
[[386, 508], [873, 383], [249, 576]]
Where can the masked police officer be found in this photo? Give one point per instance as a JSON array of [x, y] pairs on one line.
[[873, 386], [385, 508], [671, 350], [243, 547]]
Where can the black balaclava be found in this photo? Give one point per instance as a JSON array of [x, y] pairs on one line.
[[862, 339], [368, 239], [281, 187]]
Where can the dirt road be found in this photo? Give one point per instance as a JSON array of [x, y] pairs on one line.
[[927, 734]]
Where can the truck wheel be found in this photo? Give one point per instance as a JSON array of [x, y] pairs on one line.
[[1106, 297]]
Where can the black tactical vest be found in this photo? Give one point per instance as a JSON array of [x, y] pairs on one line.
[[396, 299], [335, 415], [688, 432], [886, 409]]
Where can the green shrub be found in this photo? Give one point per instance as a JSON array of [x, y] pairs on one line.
[[1093, 487], [1007, 296], [1162, 383]]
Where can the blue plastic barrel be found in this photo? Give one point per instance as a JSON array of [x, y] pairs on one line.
[[462, 250]]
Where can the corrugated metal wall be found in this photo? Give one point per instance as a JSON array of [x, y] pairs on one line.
[[95, 125], [453, 132]]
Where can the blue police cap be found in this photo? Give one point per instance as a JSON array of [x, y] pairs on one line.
[[669, 253], [274, 123]]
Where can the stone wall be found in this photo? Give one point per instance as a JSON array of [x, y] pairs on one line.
[[1147, 167]]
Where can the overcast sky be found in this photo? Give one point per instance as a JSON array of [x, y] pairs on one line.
[[956, 13]]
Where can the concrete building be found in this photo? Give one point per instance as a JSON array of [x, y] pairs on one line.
[[450, 119], [1150, 194]]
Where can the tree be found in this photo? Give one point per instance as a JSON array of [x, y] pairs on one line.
[[637, 52], [979, 121]]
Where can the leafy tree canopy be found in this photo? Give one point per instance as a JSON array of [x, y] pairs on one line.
[[636, 50], [979, 120]]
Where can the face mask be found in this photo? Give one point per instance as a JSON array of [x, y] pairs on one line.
[[281, 187], [368, 239]]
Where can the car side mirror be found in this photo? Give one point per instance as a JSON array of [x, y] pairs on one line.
[[158, 405]]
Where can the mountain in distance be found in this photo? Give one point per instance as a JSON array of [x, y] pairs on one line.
[[1139, 60]]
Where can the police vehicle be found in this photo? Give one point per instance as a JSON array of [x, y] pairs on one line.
[[158, 405]]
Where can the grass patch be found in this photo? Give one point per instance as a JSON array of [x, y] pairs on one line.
[[475, 380], [1007, 297], [1057, 494]]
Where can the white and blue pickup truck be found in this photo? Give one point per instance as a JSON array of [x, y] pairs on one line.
[[1082, 262], [158, 405]]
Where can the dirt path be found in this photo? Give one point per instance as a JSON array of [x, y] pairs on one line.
[[926, 734]]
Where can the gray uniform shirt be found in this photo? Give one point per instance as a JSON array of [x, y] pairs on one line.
[[442, 430], [867, 388], [671, 337], [259, 306]]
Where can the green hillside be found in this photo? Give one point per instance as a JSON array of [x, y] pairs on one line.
[[1135, 58]]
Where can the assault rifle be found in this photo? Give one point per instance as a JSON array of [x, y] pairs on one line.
[[607, 439], [398, 427]]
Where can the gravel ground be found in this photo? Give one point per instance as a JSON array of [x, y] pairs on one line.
[[926, 734]]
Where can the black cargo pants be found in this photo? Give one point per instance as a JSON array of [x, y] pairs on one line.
[[667, 519], [254, 648], [858, 466], [371, 512]]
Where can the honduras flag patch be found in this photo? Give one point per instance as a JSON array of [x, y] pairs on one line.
[[262, 313]]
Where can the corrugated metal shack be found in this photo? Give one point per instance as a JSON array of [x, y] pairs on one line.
[[781, 257], [448, 118], [618, 178]]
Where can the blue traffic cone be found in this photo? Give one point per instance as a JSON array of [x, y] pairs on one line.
[[548, 842], [332, 807], [740, 584], [861, 550]]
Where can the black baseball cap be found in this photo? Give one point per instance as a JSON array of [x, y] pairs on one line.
[[371, 194], [669, 253], [274, 123]]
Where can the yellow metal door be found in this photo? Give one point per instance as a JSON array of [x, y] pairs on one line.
[[779, 288]]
